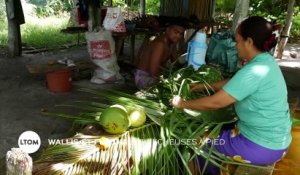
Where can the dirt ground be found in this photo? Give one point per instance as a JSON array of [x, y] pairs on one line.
[[23, 95]]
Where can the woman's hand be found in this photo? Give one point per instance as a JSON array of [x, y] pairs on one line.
[[197, 87], [177, 102]]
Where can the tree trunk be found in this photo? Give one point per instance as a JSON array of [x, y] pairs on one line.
[[142, 7], [286, 29], [240, 12], [14, 18], [14, 39]]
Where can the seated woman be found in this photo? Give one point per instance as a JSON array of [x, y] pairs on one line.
[[259, 94]]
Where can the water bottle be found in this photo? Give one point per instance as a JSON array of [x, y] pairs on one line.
[[197, 50]]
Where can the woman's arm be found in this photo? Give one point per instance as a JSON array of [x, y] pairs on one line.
[[219, 100], [216, 86]]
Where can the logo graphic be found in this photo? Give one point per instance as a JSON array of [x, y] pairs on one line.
[[29, 142]]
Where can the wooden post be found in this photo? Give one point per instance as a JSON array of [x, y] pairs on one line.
[[185, 8], [240, 12], [213, 9], [286, 30], [94, 17], [18, 162], [15, 18], [202, 9], [110, 3], [14, 39], [162, 7], [132, 44], [142, 7]]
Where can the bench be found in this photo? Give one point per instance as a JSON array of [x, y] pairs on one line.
[[244, 170], [119, 37]]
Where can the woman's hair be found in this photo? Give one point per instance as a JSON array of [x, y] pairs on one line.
[[260, 31]]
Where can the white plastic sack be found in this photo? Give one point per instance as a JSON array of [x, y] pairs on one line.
[[114, 20], [101, 47]]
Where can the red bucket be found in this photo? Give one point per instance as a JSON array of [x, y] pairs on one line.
[[59, 81]]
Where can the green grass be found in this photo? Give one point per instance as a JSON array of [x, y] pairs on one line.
[[42, 33], [45, 32], [3, 33]]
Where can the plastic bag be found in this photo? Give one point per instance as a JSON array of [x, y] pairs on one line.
[[114, 20], [101, 47], [222, 51]]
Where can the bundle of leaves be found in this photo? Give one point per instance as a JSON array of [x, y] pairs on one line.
[[170, 86]]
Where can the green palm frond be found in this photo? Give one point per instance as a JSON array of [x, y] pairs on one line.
[[139, 150], [169, 140]]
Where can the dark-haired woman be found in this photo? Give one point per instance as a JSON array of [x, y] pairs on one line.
[[258, 92]]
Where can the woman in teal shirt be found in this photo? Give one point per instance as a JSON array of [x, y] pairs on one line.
[[259, 94]]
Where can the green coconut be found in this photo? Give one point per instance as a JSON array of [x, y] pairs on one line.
[[119, 106], [114, 120], [137, 117]]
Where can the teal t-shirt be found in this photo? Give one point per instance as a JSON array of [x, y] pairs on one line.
[[262, 106]]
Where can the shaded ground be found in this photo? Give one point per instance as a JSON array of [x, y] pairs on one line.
[[23, 96]]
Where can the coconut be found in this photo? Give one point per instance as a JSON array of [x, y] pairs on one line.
[[137, 117], [114, 120], [119, 106]]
